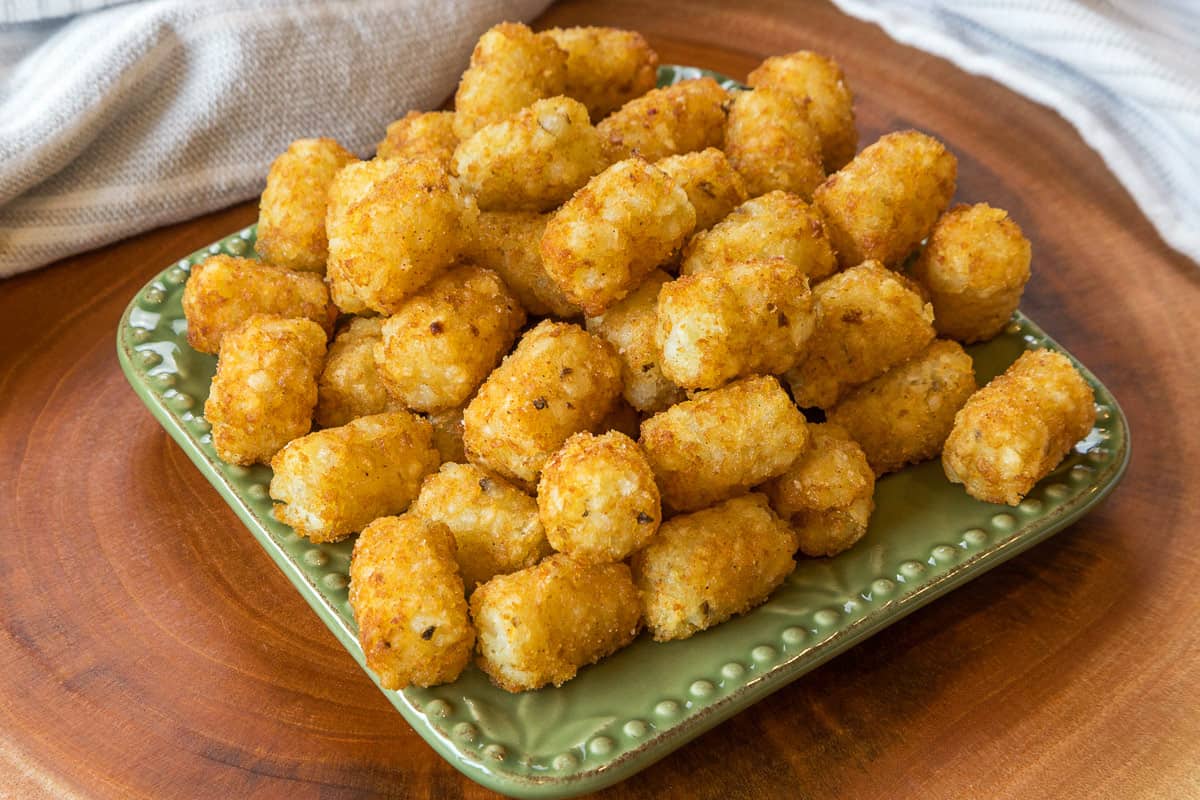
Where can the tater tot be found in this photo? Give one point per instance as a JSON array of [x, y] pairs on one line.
[[818, 84], [713, 186], [291, 212], [391, 233], [509, 243], [350, 386], [542, 624], [448, 434], [263, 394], [333, 482], [665, 122], [597, 498], [533, 160], [720, 443], [775, 225], [869, 318], [445, 339], [223, 292], [511, 68], [752, 317], [629, 326], [421, 134], [354, 182], [827, 496], [606, 67], [559, 380], [904, 416], [495, 524], [1014, 431], [705, 567], [887, 199], [771, 143], [606, 239], [408, 601], [975, 267]]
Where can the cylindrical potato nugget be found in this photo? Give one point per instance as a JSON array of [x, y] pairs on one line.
[[904, 416], [772, 144], [629, 326], [448, 434], [597, 498], [869, 318], [421, 134], [445, 339], [533, 160], [509, 243], [665, 122], [1014, 431], [606, 239], [713, 186], [720, 443], [559, 380], [354, 182], [606, 67], [540, 625], [753, 317], [495, 524], [828, 495], [291, 212], [223, 292], [511, 67], [409, 223], [975, 267], [817, 83], [776, 225], [350, 386], [705, 567], [263, 394], [333, 482], [408, 602], [886, 200]]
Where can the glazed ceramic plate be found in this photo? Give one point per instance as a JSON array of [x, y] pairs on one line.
[[623, 714]]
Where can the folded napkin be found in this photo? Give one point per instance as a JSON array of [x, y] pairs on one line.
[[138, 114]]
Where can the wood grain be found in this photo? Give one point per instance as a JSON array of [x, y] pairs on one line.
[[148, 648]]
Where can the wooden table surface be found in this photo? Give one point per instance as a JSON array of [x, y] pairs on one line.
[[149, 648]]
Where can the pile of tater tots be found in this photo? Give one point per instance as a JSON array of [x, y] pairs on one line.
[[586, 357]]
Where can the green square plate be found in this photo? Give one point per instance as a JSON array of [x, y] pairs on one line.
[[926, 537]]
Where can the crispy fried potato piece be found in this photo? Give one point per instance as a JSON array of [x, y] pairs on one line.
[[421, 134], [606, 67], [349, 386], [665, 122], [975, 267], [887, 199], [392, 229], [752, 317], [606, 239], [448, 434], [705, 567], [291, 212], [511, 68], [827, 496], [720, 443], [408, 601], [1014, 431], [904, 416], [870, 318], [444, 340], [542, 624], [265, 388], [817, 83], [223, 292], [772, 144], [597, 498], [495, 524], [713, 186], [509, 243], [559, 380], [331, 483], [777, 224]]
